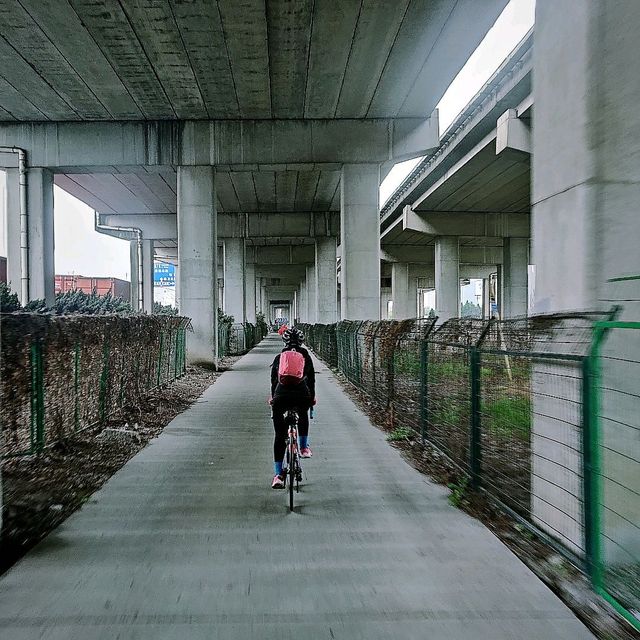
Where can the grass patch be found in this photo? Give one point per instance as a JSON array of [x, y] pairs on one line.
[[508, 415], [401, 433]]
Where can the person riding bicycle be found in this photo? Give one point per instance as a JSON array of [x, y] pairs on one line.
[[297, 391]]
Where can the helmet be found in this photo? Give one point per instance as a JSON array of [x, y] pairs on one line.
[[293, 337]]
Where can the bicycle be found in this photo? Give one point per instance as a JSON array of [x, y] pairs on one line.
[[292, 467]]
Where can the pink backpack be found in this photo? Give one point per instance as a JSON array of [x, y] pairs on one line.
[[291, 369]]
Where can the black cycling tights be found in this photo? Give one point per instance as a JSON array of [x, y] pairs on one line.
[[280, 427]]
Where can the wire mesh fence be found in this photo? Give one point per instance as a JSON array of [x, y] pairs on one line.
[[236, 339], [614, 447], [60, 375], [509, 403]]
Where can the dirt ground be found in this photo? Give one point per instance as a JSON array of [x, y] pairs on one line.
[[41, 491], [564, 579]]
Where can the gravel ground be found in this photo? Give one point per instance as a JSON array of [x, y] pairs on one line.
[[39, 492]]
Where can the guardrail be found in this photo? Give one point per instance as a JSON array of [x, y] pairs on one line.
[[529, 411], [62, 374]]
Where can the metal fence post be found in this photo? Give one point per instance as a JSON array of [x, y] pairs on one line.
[[474, 440], [76, 382], [104, 378], [37, 397], [424, 388], [160, 358]]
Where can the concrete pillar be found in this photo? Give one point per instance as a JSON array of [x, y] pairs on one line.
[[360, 241], [41, 235], [234, 278], [312, 313], [585, 231], [12, 212], [198, 260], [515, 266], [250, 293], [403, 294], [302, 304], [447, 278], [264, 298], [147, 276], [134, 297], [326, 281]]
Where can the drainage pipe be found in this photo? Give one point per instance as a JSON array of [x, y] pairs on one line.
[[138, 233], [24, 222]]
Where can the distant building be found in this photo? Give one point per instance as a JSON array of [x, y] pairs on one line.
[[116, 287]]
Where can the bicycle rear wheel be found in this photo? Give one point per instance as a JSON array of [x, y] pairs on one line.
[[291, 471]]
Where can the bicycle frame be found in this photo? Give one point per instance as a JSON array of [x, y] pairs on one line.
[[292, 467]]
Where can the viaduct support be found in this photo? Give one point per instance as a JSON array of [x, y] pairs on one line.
[[360, 241], [447, 277], [234, 278], [326, 281], [198, 254]]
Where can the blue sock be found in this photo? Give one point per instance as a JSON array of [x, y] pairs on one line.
[[304, 441], [277, 468]]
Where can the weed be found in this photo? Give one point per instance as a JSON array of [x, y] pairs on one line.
[[458, 491], [401, 433]]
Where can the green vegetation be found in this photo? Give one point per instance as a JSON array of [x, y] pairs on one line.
[[406, 363], [458, 491], [8, 300], [401, 433], [508, 415], [470, 310], [449, 411], [164, 309]]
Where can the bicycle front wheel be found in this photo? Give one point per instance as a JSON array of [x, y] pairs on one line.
[[291, 472]]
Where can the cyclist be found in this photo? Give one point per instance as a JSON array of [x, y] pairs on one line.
[[295, 393]]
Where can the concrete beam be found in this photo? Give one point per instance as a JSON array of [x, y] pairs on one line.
[[163, 226], [424, 254], [275, 255], [480, 225], [60, 145], [513, 135]]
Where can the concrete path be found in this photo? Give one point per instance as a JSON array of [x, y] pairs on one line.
[[188, 541]]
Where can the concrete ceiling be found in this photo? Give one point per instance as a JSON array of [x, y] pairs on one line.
[[66, 60], [236, 191]]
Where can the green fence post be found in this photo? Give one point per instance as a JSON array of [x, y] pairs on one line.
[[76, 382], [37, 397], [159, 377], [104, 380], [474, 440], [589, 462], [424, 388]]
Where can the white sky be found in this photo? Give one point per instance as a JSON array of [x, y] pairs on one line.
[[80, 250]]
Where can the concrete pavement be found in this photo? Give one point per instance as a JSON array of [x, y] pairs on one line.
[[188, 541]]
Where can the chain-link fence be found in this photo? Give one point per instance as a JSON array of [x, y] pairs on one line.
[[509, 403], [60, 375], [236, 339]]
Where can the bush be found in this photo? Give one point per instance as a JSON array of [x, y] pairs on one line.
[[164, 309], [79, 302], [8, 300]]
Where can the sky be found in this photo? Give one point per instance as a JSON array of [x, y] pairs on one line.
[[80, 250]]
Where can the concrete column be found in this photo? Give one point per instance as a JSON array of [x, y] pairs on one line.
[[250, 293], [360, 241], [198, 260], [234, 278], [403, 294], [12, 212], [585, 230], [302, 304], [147, 276], [312, 312], [264, 300], [326, 281], [41, 235], [515, 265], [134, 297], [447, 278]]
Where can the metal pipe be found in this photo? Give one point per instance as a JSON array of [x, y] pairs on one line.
[[24, 221], [99, 227]]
